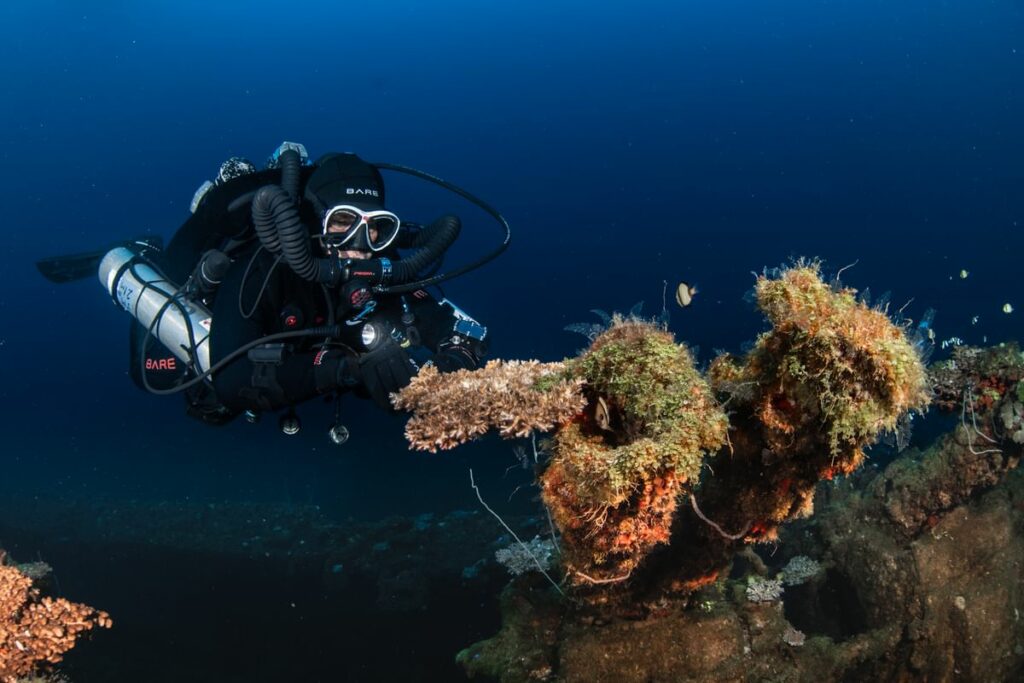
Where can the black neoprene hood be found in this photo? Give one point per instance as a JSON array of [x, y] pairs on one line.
[[346, 179]]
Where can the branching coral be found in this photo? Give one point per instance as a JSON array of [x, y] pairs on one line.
[[514, 397], [37, 630]]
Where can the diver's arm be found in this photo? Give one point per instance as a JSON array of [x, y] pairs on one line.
[[457, 340], [272, 377]]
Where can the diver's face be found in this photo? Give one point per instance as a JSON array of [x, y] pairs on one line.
[[341, 223]]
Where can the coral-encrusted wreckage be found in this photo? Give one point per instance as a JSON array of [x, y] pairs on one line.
[[36, 630], [676, 499]]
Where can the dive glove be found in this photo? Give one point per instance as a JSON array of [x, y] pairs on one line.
[[384, 370]]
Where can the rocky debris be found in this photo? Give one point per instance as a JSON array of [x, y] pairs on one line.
[[942, 604]]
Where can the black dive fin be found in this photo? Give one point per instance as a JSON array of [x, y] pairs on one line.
[[73, 267]]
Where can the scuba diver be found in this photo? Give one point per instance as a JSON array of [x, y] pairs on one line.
[[296, 282]]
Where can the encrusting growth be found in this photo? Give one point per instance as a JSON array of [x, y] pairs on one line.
[[655, 493], [612, 485], [634, 422], [821, 385], [830, 363]]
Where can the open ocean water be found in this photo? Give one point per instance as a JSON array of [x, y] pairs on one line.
[[631, 146]]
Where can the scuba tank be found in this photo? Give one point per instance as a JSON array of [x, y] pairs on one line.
[[181, 322]]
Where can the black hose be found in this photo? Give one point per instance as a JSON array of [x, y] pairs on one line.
[[294, 236], [329, 331], [281, 231], [404, 273], [436, 239], [425, 282], [263, 218], [291, 173], [241, 201]]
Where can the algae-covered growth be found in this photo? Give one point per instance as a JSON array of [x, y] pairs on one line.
[[830, 364], [634, 420], [613, 494], [828, 377], [663, 475]]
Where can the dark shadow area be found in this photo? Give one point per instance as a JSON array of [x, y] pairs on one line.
[[181, 616], [828, 607]]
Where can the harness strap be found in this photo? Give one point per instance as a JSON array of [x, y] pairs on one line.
[[265, 391]]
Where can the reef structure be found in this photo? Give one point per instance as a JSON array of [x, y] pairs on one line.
[[635, 423], [658, 485], [824, 382], [617, 472]]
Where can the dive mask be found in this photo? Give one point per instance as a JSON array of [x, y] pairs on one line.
[[349, 227]]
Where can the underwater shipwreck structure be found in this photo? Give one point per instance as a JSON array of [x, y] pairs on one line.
[[668, 490]]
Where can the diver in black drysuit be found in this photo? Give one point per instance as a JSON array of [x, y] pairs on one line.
[[273, 273]]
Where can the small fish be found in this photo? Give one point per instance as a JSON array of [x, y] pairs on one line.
[[974, 320], [964, 274], [601, 415], [931, 334], [685, 294], [1007, 308]]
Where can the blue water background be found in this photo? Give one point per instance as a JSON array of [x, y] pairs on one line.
[[629, 145]]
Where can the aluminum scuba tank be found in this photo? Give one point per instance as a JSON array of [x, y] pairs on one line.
[[138, 288]]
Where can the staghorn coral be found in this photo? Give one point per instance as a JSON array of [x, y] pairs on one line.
[[36, 630], [514, 397]]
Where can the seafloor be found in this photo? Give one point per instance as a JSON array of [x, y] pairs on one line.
[[210, 592]]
